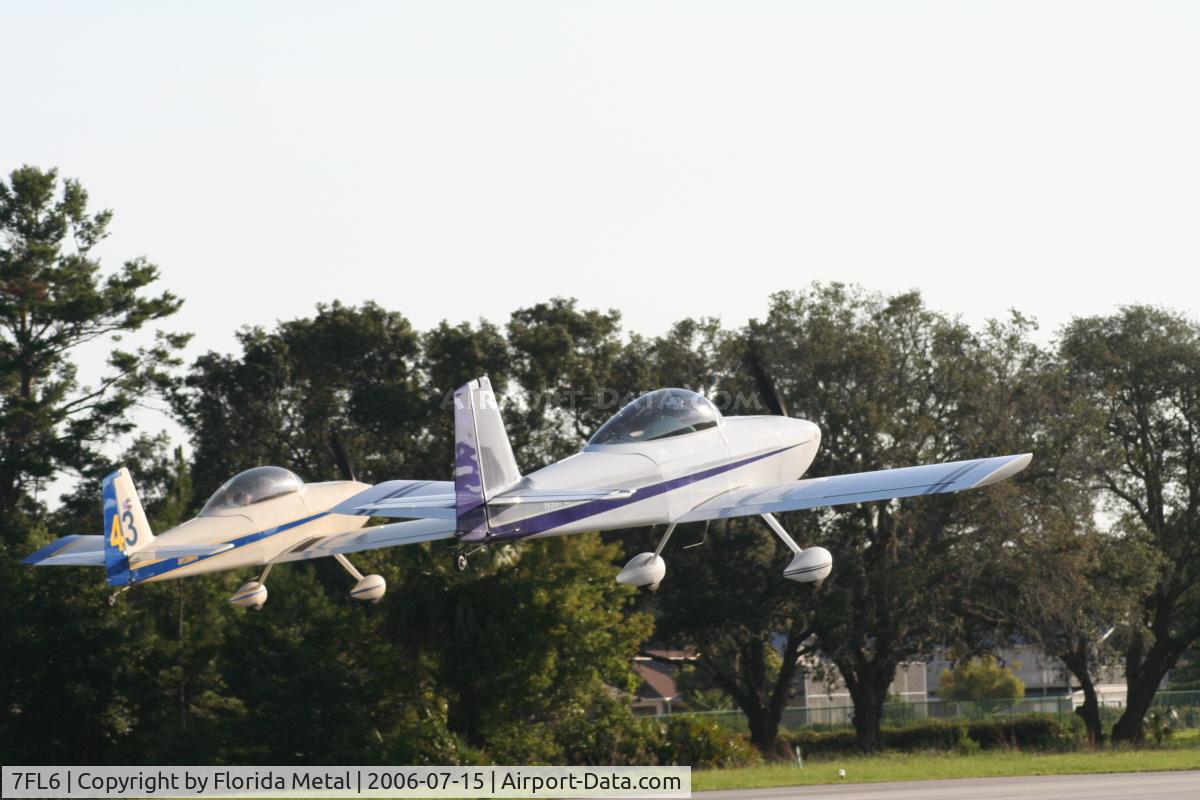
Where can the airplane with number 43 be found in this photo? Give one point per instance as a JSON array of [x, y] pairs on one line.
[[667, 458]]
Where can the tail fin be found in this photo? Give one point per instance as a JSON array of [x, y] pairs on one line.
[[484, 464], [125, 527]]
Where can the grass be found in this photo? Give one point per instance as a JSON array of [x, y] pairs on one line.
[[930, 766]]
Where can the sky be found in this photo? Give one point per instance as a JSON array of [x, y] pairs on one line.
[[461, 160]]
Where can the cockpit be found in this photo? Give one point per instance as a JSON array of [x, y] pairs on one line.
[[253, 486], [659, 415]]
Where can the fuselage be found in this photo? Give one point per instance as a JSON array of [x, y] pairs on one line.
[[669, 476], [258, 532]]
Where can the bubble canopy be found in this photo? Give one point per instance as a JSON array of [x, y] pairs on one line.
[[658, 415], [253, 486]]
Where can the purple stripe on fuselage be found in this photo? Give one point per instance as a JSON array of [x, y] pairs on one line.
[[563, 516]]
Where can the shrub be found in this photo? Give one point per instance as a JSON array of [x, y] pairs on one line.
[[702, 743], [610, 734], [524, 744], [1033, 732], [980, 679], [966, 746]]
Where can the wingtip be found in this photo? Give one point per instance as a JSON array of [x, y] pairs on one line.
[[1010, 467]]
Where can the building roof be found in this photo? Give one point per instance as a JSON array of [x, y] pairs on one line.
[[656, 681]]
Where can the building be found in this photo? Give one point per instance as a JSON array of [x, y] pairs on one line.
[[656, 693], [820, 697], [1042, 675]]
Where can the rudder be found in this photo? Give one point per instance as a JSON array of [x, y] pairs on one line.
[[484, 464]]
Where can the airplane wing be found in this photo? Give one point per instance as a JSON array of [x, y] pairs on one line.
[[435, 499], [77, 550], [393, 534], [860, 487]]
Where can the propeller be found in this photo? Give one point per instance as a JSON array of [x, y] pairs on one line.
[[340, 456], [768, 392]]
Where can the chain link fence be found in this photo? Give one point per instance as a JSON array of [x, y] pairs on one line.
[[1185, 705]]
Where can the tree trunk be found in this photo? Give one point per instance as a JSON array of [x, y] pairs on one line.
[[1077, 662], [1089, 712], [1141, 686], [868, 692], [1143, 676], [764, 730]]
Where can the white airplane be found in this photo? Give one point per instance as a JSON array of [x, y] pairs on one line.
[[668, 457]]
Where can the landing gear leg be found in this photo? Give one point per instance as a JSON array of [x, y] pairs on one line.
[[808, 566], [112, 598], [783, 535], [663, 541], [345, 562]]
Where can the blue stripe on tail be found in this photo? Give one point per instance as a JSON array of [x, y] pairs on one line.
[[116, 563]]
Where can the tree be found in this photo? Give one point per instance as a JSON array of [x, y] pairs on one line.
[[53, 299], [574, 372], [1070, 589], [1140, 368], [892, 383], [556, 631], [350, 370], [1057, 579], [982, 678]]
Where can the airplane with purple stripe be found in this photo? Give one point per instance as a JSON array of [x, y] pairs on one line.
[[667, 458]]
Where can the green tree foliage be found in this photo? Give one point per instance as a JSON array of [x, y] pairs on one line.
[[892, 383], [53, 299], [1140, 368], [982, 678], [574, 371], [350, 370], [553, 626]]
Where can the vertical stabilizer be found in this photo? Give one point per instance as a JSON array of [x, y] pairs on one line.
[[125, 527], [484, 464]]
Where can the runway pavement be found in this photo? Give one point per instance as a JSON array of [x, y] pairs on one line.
[[1129, 785]]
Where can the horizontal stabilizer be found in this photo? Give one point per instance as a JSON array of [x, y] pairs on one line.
[[524, 496], [401, 499], [862, 487], [77, 550], [432, 507]]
